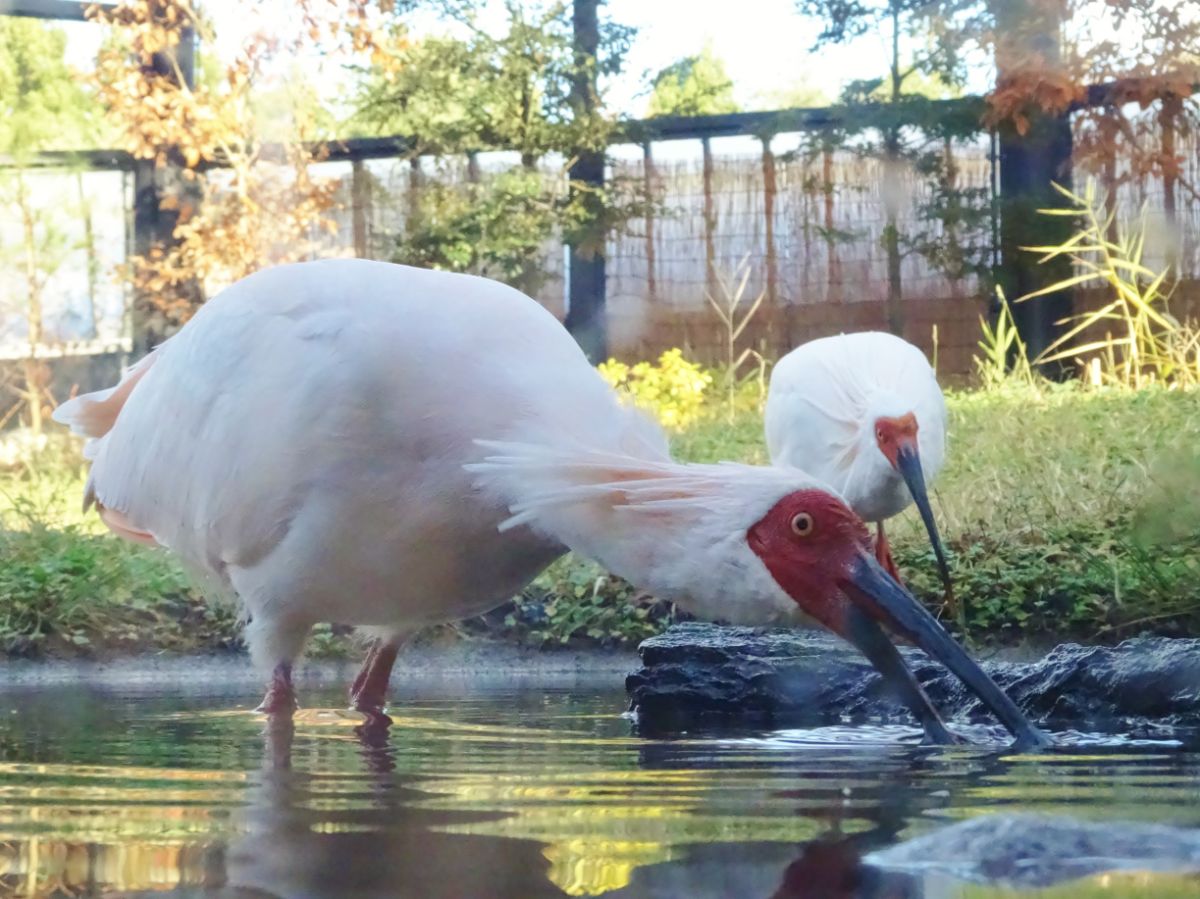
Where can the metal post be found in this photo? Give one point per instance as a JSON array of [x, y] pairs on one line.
[[360, 203], [710, 222], [769, 190], [413, 198], [648, 186], [1168, 118], [586, 272]]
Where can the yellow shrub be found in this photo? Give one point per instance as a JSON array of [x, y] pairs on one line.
[[672, 390]]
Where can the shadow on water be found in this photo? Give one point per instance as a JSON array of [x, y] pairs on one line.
[[512, 795]]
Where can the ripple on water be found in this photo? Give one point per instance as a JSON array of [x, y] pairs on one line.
[[511, 795]]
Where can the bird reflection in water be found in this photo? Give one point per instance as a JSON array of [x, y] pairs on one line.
[[316, 835], [833, 869]]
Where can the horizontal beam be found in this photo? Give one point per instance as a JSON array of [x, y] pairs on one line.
[[364, 148], [1131, 90], [731, 124], [122, 160], [97, 160], [64, 10], [664, 128]]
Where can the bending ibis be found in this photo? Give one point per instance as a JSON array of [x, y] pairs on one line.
[[390, 447], [864, 413]]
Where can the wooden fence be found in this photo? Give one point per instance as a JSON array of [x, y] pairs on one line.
[[808, 225]]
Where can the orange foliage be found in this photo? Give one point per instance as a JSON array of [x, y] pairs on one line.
[[1025, 94], [1044, 67], [240, 205]]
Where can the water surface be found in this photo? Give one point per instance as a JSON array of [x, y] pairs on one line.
[[513, 793]]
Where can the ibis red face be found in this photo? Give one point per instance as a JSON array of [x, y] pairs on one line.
[[819, 552], [896, 434], [897, 439]]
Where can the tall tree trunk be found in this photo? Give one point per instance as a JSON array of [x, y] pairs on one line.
[[587, 284], [1032, 159], [891, 193], [528, 157]]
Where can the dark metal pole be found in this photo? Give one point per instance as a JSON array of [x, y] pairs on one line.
[[710, 222], [769, 191], [586, 274], [648, 182]]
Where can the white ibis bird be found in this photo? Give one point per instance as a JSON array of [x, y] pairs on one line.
[[391, 447], [864, 413]]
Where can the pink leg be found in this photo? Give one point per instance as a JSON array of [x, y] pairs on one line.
[[281, 697], [361, 678], [883, 554], [369, 693]]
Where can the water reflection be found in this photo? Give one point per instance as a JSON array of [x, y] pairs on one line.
[[509, 796], [303, 833]]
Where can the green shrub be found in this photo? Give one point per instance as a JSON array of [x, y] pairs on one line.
[[575, 601]]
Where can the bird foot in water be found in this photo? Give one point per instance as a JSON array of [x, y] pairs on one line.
[[943, 737], [368, 694], [281, 696], [375, 715], [1033, 741]]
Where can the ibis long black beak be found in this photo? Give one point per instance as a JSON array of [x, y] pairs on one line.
[[874, 591], [908, 463]]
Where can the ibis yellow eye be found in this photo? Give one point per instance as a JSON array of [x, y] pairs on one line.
[[802, 524]]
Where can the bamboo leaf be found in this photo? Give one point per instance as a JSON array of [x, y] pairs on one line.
[[1057, 286]]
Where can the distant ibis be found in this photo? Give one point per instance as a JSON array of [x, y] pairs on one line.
[[390, 447], [862, 412]]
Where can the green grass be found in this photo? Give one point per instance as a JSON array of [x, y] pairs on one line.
[[1066, 513], [67, 587], [1071, 512]]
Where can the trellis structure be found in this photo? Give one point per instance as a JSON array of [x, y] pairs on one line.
[[1021, 168]]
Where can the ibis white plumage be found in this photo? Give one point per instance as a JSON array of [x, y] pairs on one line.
[[390, 447], [864, 413]]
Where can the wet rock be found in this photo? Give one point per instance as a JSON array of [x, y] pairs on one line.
[[1028, 850], [701, 674]]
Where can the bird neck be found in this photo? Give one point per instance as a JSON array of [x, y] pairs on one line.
[[653, 522]]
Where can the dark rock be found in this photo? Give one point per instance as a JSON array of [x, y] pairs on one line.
[[1028, 850], [702, 674]]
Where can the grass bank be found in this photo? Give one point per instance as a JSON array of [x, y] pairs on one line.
[[1067, 514]]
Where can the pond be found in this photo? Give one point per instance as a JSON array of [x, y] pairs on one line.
[[508, 790]]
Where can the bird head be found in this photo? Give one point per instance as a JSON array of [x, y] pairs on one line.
[[819, 553], [896, 437], [726, 542]]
